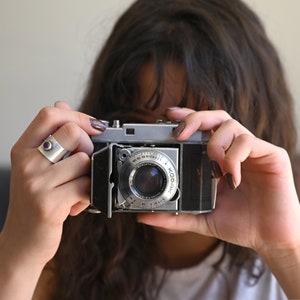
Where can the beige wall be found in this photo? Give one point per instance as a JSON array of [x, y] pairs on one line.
[[47, 48], [281, 19]]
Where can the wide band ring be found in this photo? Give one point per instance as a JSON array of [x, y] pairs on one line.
[[52, 149]]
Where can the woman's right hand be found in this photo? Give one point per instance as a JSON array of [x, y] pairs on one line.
[[43, 194]]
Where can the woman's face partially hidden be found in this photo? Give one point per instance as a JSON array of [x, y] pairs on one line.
[[173, 92], [173, 87]]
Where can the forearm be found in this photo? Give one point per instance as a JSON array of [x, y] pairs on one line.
[[18, 276], [285, 266]]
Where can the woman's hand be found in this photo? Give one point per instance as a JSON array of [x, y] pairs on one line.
[[259, 208], [43, 194]]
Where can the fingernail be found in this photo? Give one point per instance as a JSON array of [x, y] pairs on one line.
[[178, 130], [173, 108], [97, 124], [230, 181], [216, 169]]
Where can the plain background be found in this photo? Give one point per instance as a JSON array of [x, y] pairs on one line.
[[48, 47]]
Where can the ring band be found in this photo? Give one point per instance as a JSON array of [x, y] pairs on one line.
[[52, 149]]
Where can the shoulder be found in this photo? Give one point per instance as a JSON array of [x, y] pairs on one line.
[[255, 286], [45, 285], [206, 281]]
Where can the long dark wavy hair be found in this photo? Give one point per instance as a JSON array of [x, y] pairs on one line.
[[229, 63]]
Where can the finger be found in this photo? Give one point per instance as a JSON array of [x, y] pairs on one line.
[[223, 138], [71, 138], [200, 120], [178, 113], [209, 118], [62, 105], [75, 166], [49, 120], [79, 207], [238, 152], [182, 222], [267, 157], [66, 196]]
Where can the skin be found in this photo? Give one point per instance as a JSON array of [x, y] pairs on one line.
[[42, 196], [262, 212]]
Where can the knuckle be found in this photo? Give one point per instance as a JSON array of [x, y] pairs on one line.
[[82, 159], [229, 159], [14, 152], [71, 130], [48, 113], [32, 185], [283, 154], [245, 138], [25, 165], [28, 168], [224, 114], [212, 145], [25, 169], [232, 123]]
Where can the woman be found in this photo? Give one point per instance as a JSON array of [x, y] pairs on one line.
[[210, 65]]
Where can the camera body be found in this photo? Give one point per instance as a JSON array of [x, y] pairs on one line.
[[143, 168]]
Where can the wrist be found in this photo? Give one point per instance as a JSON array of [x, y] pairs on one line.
[[286, 256], [284, 263], [18, 274], [14, 258]]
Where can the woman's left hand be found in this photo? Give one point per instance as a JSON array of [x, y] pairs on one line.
[[259, 208]]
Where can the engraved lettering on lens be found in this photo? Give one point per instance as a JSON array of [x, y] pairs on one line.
[[149, 177], [172, 180]]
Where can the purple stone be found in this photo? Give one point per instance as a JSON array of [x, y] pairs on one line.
[[47, 146]]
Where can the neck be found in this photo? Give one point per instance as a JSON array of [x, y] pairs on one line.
[[182, 250]]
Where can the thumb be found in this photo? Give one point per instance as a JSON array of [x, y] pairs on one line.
[[180, 223], [62, 105]]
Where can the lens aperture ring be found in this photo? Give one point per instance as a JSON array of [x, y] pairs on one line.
[[148, 179]]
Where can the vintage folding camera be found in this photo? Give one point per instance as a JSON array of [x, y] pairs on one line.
[[143, 168]]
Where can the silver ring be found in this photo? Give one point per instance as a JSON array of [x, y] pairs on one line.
[[52, 149]]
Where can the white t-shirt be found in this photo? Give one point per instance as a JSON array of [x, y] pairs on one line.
[[205, 282]]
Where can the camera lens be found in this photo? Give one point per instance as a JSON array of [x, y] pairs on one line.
[[149, 180]]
